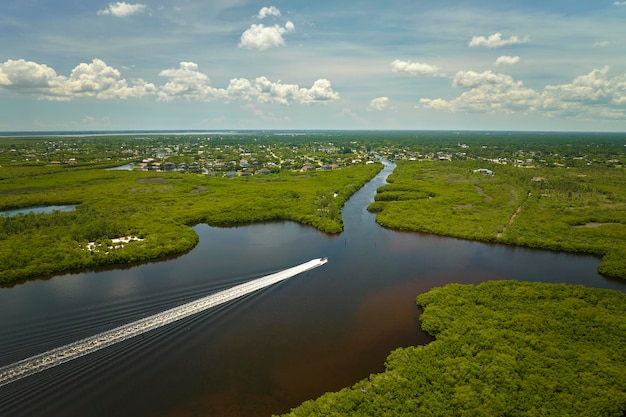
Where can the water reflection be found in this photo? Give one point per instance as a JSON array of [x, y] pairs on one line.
[[37, 210]]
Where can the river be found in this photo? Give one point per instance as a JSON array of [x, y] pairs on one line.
[[317, 332]]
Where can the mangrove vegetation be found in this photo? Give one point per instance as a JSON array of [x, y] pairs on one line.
[[557, 191], [564, 194], [126, 216], [502, 348]]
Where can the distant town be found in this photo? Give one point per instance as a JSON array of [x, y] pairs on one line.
[[265, 153]]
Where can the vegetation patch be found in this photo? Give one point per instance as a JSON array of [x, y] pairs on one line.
[[594, 225], [512, 206], [157, 180], [502, 348], [198, 190], [156, 207]]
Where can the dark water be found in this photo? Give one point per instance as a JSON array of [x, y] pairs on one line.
[[317, 332]]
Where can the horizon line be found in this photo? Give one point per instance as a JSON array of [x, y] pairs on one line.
[[87, 132]]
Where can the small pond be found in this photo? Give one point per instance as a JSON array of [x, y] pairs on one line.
[[37, 210]]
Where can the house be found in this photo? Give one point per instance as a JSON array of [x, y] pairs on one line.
[[483, 171]]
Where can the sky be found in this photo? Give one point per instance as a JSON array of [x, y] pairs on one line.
[[239, 64]]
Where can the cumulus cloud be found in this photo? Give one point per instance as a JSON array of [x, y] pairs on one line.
[[496, 41], [415, 68], [101, 81], [28, 76], [471, 79], [321, 91], [188, 83], [595, 87], [122, 9], [268, 11], [379, 103], [594, 94], [487, 92], [437, 104], [507, 60], [260, 37], [263, 90], [95, 79]]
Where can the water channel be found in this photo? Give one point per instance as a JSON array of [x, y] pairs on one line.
[[317, 332], [37, 210]]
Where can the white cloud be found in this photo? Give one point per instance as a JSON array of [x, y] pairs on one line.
[[379, 103], [507, 60], [187, 82], [95, 79], [268, 11], [471, 79], [496, 41], [260, 37], [28, 76], [603, 44], [122, 9], [263, 90], [487, 92], [593, 89], [321, 91], [593, 95], [437, 104], [101, 81], [415, 68], [619, 3]]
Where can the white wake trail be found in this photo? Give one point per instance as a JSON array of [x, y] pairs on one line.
[[57, 356]]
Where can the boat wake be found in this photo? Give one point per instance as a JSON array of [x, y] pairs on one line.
[[66, 353]]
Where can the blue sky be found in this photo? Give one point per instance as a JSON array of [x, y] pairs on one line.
[[238, 64]]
